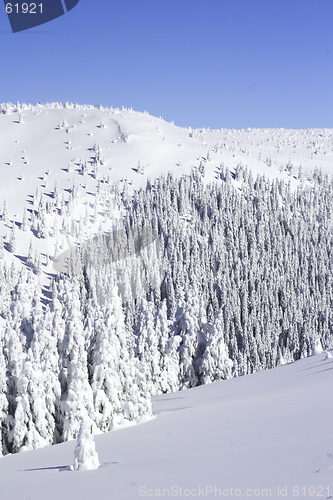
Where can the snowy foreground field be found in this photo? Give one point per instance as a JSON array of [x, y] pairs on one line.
[[268, 434]]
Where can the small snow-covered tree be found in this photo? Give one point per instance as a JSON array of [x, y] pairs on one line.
[[169, 380], [281, 360], [96, 206], [2, 253], [30, 258], [317, 349], [42, 228], [37, 263], [56, 194], [13, 240], [140, 168], [5, 289], [25, 220], [85, 455]]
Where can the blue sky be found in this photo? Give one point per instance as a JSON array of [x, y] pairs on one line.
[[207, 63]]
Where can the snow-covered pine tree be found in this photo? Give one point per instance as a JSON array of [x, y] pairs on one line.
[[14, 358], [162, 328], [30, 428], [42, 228], [30, 258], [59, 314], [49, 362], [2, 250], [85, 456], [13, 240], [116, 372], [317, 348], [37, 263], [76, 394], [168, 347], [105, 381], [3, 399], [4, 288], [168, 292], [5, 214], [147, 345], [215, 364], [186, 325], [21, 306], [25, 220]]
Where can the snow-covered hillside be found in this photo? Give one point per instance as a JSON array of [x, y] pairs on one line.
[[140, 258], [266, 435], [45, 145], [41, 142]]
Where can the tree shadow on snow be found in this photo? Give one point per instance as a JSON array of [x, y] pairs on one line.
[[66, 468], [60, 468]]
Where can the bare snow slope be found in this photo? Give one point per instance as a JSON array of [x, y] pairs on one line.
[[38, 139], [44, 144], [248, 436]]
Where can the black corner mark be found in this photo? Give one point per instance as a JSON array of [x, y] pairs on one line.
[[70, 4], [25, 15]]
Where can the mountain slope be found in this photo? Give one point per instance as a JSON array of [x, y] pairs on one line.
[[47, 144], [251, 432], [48, 137]]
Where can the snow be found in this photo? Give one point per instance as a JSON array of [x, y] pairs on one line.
[[38, 146], [85, 456], [318, 349], [271, 430], [52, 138], [39, 149]]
